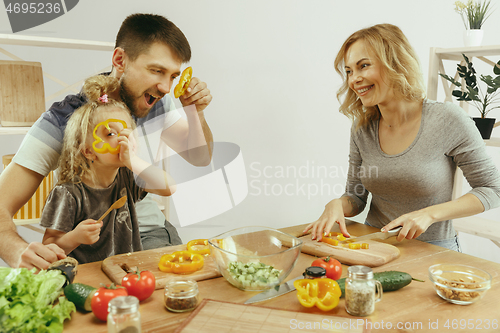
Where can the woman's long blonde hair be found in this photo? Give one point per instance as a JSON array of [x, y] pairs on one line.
[[73, 165], [400, 67]]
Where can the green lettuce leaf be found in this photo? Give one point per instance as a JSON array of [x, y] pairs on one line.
[[26, 301]]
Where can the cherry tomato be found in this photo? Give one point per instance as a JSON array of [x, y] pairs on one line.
[[102, 297], [140, 284], [332, 266]]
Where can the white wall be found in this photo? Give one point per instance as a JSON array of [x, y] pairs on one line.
[[269, 66]]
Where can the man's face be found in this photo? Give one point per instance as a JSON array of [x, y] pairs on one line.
[[148, 78]]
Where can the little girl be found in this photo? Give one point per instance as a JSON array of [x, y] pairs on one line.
[[95, 170]]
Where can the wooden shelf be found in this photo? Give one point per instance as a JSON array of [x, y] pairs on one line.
[[13, 130], [61, 43], [476, 51], [480, 227], [493, 142]]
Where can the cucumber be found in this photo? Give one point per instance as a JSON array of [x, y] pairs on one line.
[[390, 280], [80, 294]]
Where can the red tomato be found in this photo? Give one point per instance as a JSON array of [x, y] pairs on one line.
[[102, 297], [332, 266], [140, 284]]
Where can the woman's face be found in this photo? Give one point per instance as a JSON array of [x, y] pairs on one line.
[[365, 75]]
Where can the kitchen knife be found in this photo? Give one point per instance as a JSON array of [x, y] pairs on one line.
[[375, 235], [274, 292]]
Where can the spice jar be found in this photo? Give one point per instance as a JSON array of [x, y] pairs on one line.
[[314, 272], [361, 291], [124, 315], [181, 295]]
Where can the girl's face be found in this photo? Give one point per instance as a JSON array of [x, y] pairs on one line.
[[109, 135], [365, 75]]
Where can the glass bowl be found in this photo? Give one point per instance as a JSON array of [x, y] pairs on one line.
[[255, 258], [459, 284]]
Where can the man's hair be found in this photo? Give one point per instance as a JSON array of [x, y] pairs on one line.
[[400, 65], [139, 31]]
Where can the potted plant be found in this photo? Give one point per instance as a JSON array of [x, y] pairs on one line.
[[473, 14], [473, 93]]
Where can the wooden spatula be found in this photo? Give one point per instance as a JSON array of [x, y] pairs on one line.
[[117, 204]]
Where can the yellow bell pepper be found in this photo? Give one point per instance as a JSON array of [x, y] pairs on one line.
[[323, 293], [199, 246], [181, 262], [184, 81], [106, 148], [330, 241]]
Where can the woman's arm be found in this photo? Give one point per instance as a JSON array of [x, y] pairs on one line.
[[417, 222]]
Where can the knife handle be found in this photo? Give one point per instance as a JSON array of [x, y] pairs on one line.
[[394, 231]]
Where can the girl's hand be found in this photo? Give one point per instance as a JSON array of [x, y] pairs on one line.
[[88, 231], [332, 214], [414, 224], [128, 146]]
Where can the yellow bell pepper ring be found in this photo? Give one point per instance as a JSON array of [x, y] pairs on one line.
[[199, 246], [106, 148], [184, 81], [181, 262], [323, 293]]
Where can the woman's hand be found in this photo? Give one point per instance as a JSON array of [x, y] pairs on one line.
[[414, 224], [333, 213], [87, 231]]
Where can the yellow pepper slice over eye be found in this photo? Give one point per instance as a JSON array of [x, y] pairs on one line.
[[106, 148], [199, 246], [181, 262], [184, 81], [323, 293]]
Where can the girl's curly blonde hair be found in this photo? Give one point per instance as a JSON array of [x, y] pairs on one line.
[[73, 165], [400, 66]]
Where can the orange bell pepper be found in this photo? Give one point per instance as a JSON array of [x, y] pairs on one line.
[[181, 262], [106, 148], [199, 246], [184, 81], [323, 293]]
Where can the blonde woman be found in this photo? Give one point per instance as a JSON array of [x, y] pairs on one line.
[[410, 145], [94, 172]]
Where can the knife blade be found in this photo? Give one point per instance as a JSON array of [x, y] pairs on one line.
[[375, 235], [279, 290]]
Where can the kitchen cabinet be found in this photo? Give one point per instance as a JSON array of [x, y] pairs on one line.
[[482, 227]]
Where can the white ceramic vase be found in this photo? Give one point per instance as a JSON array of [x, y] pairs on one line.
[[473, 37]]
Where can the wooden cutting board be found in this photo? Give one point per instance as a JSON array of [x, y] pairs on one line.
[[116, 267], [376, 255], [216, 316]]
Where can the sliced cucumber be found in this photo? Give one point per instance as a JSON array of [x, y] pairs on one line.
[[254, 274], [80, 294]]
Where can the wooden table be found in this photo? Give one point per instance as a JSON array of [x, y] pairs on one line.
[[415, 308]]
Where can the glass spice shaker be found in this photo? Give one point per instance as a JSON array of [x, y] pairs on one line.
[[181, 295], [314, 272], [361, 291], [124, 315]]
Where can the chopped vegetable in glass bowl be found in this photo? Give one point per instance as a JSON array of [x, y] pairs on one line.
[[255, 258]]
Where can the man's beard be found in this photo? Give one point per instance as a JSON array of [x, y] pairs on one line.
[[128, 98]]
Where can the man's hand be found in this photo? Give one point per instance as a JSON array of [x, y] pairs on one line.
[[198, 94], [40, 256]]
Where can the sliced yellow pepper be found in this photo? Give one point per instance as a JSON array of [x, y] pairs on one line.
[[356, 246], [184, 81], [330, 241], [323, 293], [365, 246], [199, 246], [181, 262], [106, 148]]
